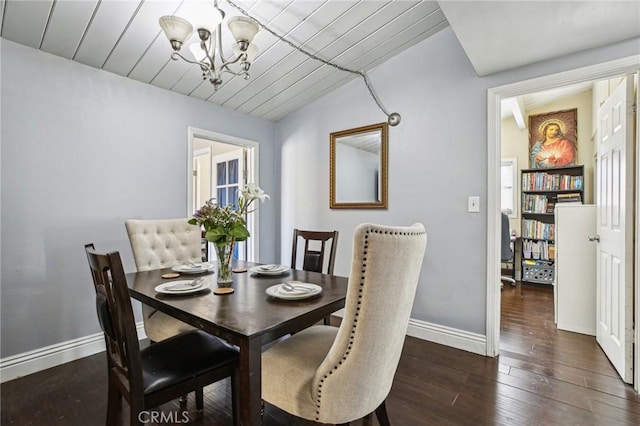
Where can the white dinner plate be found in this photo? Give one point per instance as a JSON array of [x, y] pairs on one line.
[[269, 269], [181, 287], [303, 291], [193, 268]]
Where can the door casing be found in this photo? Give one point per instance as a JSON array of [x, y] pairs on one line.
[[603, 71]]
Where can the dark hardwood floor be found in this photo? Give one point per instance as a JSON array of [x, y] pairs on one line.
[[542, 377]]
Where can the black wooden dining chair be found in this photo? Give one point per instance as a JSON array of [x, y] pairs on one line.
[[313, 259], [161, 372]]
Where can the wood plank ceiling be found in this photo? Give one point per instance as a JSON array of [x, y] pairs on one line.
[[123, 37]]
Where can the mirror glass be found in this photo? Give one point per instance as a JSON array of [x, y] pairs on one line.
[[359, 168]]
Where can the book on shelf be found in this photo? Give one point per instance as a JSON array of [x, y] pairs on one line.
[[543, 181], [537, 230], [538, 250], [535, 203], [570, 197]]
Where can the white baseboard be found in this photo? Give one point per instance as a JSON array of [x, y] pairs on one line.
[[40, 359], [577, 329], [30, 362], [448, 336]]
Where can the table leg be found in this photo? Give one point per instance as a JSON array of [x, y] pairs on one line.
[[250, 382]]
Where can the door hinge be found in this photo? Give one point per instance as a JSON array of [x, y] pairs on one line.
[[195, 173]]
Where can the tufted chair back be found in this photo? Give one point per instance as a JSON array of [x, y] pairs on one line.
[[360, 366], [158, 244], [163, 243], [336, 376]]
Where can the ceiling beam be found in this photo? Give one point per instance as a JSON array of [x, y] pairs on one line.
[[516, 106]]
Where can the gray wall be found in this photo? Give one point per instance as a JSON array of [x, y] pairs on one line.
[[69, 130], [437, 158], [83, 150]]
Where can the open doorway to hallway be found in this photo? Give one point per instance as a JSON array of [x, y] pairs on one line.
[[528, 323], [495, 136], [219, 167]]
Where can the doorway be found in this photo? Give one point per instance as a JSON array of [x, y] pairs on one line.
[[495, 95], [219, 167]]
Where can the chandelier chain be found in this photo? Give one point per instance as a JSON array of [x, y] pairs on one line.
[[313, 56]]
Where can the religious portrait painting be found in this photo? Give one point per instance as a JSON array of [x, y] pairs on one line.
[[553, 139]]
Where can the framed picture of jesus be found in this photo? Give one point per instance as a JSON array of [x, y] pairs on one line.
[[553, 139]]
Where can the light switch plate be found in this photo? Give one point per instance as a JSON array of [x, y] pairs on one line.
[[474, 204]]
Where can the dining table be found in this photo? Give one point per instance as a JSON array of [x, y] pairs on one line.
[[247, 318]]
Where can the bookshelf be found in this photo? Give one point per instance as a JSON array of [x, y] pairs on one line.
[[542, 190]]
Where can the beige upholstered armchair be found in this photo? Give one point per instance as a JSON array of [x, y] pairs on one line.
[[337, 375], [158, 244]]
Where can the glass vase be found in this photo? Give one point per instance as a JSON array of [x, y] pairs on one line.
[[225, 255]]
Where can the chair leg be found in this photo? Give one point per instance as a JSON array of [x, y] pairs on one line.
[[235, 397], [184, 399], [381, 414], [367, 421], [114, 405], [135, 417], [200, 399]]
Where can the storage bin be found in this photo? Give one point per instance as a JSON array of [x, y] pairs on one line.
[[542, 272]]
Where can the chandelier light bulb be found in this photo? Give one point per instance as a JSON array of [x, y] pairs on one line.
[[204, 16], [198, 53]]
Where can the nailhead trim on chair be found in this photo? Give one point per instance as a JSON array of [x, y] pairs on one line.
[[355, 320]]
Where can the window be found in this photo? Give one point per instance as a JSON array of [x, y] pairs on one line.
[[509, 187]]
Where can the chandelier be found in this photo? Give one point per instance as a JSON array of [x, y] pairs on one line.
[[209, 50], [243, 28]]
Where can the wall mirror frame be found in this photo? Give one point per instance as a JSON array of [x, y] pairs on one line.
[[358, 168]]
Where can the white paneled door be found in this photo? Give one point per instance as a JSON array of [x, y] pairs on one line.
[[614, 183]]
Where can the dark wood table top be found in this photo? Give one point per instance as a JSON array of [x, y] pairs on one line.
[[248, 312]]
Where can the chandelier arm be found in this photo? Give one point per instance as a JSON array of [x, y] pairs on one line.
[[237, 74], [209, 52], [393, 118], [225, 64], [175, 55], [219, 41]]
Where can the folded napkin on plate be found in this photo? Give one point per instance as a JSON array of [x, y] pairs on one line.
[[297, 290], [183, 287], [270, 267], [194, 266]]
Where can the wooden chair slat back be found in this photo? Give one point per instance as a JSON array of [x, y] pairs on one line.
[[313, 260], [115, 315]]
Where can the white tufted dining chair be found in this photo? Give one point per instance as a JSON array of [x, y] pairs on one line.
[[338, 375], [158, 244]]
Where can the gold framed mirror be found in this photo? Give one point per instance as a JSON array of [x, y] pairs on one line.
[[358, 168]]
